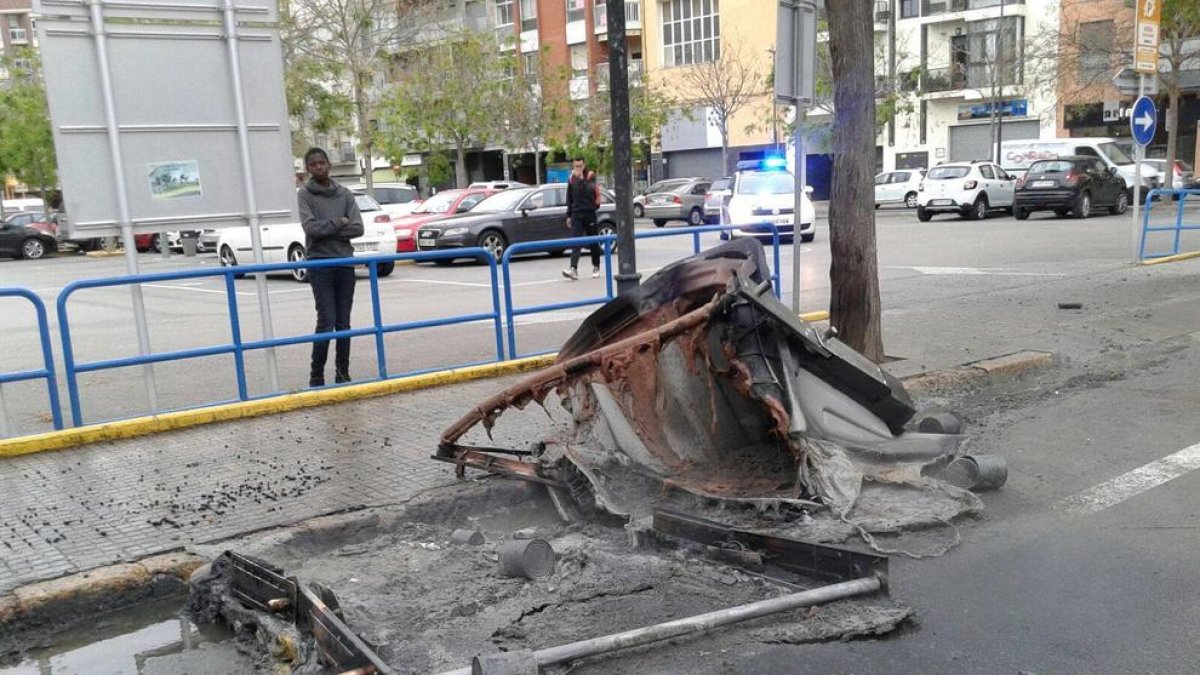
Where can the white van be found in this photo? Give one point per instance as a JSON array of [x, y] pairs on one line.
[[1016, 156]]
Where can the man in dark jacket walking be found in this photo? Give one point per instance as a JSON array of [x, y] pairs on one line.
[[583, 199], [331, 219]]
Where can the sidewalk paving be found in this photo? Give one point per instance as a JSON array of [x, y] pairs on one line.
[[73, 510]]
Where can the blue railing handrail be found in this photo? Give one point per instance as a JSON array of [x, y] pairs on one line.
[[1178, 228], [47, 371], [511, 311], [238, 347]]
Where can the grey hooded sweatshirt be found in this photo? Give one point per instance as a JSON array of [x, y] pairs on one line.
[[321, 209]]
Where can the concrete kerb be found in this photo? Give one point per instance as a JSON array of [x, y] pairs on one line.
[[103, 589], [143, 426]]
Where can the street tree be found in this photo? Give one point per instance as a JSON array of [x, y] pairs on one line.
[[533, 112], [319, 100], [725, 86], [854, 270], [355, 41], [452, 95], [27, 142], [1180, 34]]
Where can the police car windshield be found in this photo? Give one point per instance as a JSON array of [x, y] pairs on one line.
[[766, 183]]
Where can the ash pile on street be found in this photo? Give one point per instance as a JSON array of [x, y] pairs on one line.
[[708, 441]]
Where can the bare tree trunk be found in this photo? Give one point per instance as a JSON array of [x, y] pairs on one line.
[[1172, 134], [364, 131], [724, 151], [460, 166], [854, 271]]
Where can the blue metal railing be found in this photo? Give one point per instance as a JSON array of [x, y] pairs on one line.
[[47, 371], [238, 347], [511, 311], [1178, 228]]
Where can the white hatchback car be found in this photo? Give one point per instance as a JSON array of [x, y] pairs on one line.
[[898, 187], [285, 243], [763, 191], [969, 189]]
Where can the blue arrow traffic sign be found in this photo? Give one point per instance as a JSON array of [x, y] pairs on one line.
[[1143, 121]]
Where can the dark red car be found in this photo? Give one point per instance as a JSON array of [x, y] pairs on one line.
[[442, 205]]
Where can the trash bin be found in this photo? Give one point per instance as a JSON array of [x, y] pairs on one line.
[[189, 240]]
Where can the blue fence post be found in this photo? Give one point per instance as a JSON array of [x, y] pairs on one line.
[[1179, 223], [235, 334], [608, 275], [377, 316], [695, 242], [496, 317], [47, 372], [64, 326], [508, 304]]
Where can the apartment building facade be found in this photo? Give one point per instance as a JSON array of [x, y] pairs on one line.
[[16, 29]]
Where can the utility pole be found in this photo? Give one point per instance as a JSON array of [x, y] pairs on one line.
[[622, 147], [1000, 62]]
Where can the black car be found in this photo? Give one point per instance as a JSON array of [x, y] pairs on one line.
[[1074, 184], [22, 241], [511, 217]]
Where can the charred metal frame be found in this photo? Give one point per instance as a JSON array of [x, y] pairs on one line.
[[312, 608]]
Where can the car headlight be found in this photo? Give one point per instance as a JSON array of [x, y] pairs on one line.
[[455, 231]]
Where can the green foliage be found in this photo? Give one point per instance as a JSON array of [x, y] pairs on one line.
[[451, 95], [27, 141]]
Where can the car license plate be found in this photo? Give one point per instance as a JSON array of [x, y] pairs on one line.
[[362, 248], [941, 202], [1041, 184]]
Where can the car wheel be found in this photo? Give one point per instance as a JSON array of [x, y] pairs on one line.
[[923, 215], [980, 208], [1083, 205], [296, 254], [639, 211], [808, 237], [606, 229], [910, 200], [32, 249], [1122, 204], [228, 259], [385, 269], [493, 242], [877, 207], [156, 244], [1020, 213], [659, 222], [695, 218]]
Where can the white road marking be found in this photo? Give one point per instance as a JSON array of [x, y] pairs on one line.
[[974, 271], [1133, 483]]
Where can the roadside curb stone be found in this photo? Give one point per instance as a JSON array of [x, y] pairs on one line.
[[977, 373]]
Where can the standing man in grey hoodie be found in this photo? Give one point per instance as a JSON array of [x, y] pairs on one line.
[[331, 219]]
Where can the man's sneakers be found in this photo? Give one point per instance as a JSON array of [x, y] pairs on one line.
[[595, 272], [571, 274]]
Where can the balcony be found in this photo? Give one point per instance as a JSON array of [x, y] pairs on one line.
[[935, 7], [635, 75], [633, 17], [936, 80]]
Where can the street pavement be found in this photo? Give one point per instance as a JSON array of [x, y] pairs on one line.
[[1053, 579], [921, 264]]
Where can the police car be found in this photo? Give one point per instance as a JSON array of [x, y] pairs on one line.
[[762, 191]]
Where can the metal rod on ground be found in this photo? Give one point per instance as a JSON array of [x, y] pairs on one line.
[[622, 145], [239, 102], [801, 182], [164, 243], [1138, 153], [699, 623], [100, 40]]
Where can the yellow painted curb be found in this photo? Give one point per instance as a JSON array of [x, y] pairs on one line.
[[142, 426], [1172, 258], [105, 254], [816, 316]]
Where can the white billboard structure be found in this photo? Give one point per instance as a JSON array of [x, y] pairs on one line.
[[168, 115]]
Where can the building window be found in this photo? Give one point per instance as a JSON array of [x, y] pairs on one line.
[[529, 66], [504, 13], [528, 15], [1095, 49], [691, 32], [909, 9], [991, 52], [579, 72], [575, 10], [18, 35]]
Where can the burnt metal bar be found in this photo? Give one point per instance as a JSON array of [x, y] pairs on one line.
[[339, 645], [258, 584], [821, 561]]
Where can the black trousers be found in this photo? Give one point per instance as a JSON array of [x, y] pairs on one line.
[[333, 290], [584, 225]]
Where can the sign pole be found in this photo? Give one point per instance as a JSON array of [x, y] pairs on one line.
[[252, 214], [100, 38], [801, 181], [1139, 151]]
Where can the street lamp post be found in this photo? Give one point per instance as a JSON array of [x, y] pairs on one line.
[[627, 276]]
